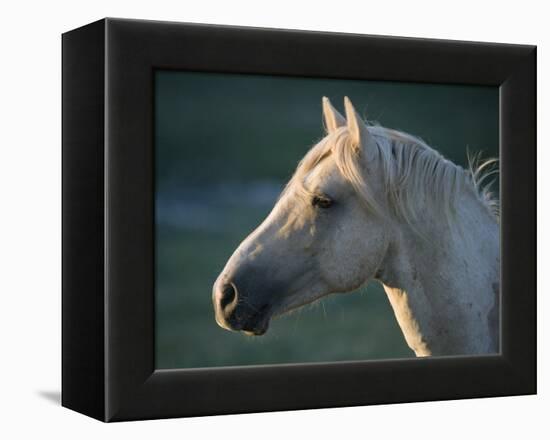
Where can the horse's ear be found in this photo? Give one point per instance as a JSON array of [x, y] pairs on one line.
[[333, 119], [356, 126]]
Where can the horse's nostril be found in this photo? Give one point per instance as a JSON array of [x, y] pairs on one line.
[[228, 295]]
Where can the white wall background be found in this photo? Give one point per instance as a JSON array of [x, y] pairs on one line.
[[30, 252]]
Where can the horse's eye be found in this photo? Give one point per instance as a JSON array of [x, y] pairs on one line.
[[321, 202]]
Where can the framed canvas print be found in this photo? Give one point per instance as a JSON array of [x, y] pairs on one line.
[[261, 219]]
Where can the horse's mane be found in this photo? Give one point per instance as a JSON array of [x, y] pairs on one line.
[[410, 169]]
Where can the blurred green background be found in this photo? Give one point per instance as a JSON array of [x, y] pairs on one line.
[[225, 146]]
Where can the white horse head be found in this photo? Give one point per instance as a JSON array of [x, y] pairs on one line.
[[363, 204]]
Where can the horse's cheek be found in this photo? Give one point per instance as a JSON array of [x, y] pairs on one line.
[[341, 259], [365, 252]]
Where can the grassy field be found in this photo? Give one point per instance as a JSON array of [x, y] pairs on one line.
[[225, 145]]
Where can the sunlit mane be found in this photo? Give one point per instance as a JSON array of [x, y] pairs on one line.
[[412, 171]]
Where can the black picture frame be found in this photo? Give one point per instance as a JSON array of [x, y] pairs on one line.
[[108, 219]]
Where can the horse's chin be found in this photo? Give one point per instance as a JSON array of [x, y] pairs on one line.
[[257, 326], [254, 325], [255, 332]]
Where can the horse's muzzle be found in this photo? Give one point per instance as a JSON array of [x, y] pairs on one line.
[[235, 312]]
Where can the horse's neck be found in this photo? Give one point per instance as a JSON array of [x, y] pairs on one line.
[[444, 290]]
